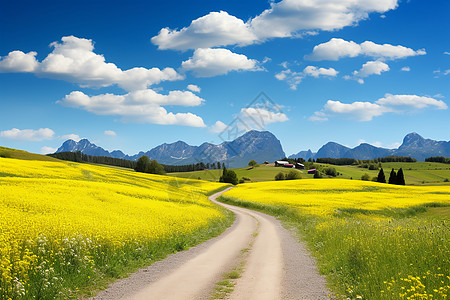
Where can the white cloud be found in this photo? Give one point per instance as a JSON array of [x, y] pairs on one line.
[[336, 49], [371, 68], [316, 72], [28, 134], [366, 111], [71, 136], [287, 18], [212, 62], [406, 69], [214, 29], [259, 118], [74, 60], [446, 72], [47, 150], [139, 106], [110, 133], [194, 88], [295, 78], [405, 102], [447, 53], [17, 61], [218, 127], [362, 111]]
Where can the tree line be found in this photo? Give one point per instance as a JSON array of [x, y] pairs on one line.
[[439, 159], [80, 157]]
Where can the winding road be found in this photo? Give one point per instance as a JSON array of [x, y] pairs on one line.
[[274, 265]]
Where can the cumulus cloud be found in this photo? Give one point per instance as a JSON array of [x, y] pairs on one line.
[[214, 29], [212, 62], [71, 136], [336, 49], [218, 127], [110, 133], [28, 134], [194, 88], [366, 111], [287, 18], [143, 106], [74, 60], [406, 69], [259, 117], [17, 61], [371, 68], [47, 150], [295, 78]]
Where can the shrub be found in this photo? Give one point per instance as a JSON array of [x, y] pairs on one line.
[[280, 176], [317, 174], [365, 177], [293, 174], [330, 171]]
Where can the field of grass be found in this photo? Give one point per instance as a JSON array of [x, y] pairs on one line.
[[418, 173], [67, 229], [372, 240], [261, 173]]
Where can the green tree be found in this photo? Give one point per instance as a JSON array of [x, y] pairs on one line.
[[252, 163], [293, 174], [155, 168], [392, 177], [381, 178], [317, 174], [330, 171], [142, 164], [280, 176], [228, 176], [400, 177]]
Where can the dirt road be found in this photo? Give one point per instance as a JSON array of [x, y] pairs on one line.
[[270, 261]]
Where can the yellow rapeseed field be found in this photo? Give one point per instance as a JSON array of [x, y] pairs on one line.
[[63, 224], [373, 240], [329, 196]]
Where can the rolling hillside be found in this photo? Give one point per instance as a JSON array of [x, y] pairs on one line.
[[418, 173]]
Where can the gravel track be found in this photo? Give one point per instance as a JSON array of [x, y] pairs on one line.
[[277, 266]]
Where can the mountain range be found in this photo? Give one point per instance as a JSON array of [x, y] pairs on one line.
[[258, 145], [413, 145], [263, 146]]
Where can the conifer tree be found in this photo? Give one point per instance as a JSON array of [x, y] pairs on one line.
[[400, 177], [393, 177], [381, 178]]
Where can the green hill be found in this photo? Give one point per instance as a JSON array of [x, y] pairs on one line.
[[418, 173], [20, 154]]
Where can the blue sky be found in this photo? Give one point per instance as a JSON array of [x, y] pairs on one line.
[[132, 75]]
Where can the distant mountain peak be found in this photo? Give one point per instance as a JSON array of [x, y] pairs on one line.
[[257, 145]]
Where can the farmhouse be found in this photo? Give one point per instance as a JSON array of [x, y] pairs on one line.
[[288, 165], [299, 166], [312, 171], [281, 163]]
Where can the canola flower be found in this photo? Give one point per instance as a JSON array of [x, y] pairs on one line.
[[374, 241], [64, 224]]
